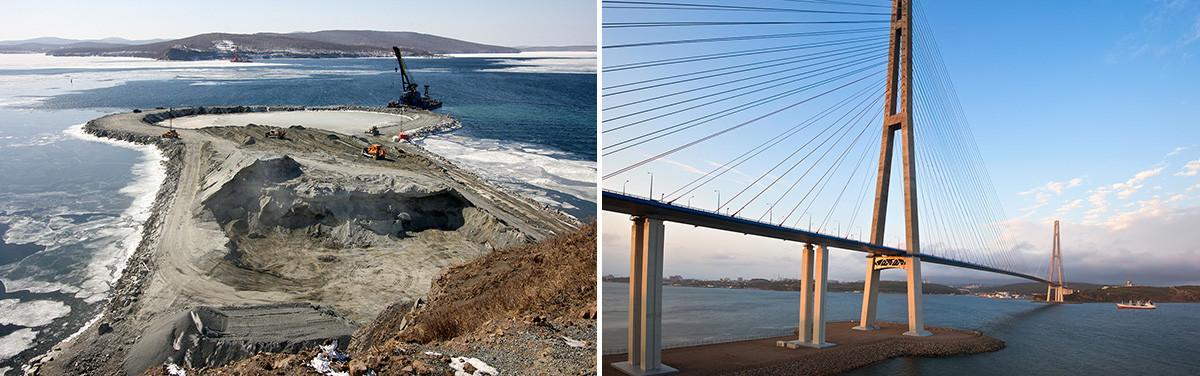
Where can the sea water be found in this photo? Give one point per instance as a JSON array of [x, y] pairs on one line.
[[72, 205], [1041, 339]]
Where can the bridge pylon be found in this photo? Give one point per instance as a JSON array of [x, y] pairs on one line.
[[898, 107], [1054, 292]]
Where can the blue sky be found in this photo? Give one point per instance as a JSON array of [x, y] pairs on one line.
[[508, 23], [1087, 112]]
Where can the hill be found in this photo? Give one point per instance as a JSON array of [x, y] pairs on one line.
[[215, 46], [320, 44], [387, 39], [46, 44], [1032, 288], [1120, 294]]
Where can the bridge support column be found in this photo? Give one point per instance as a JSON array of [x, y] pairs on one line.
[[916, 308], [645, 300], [870, 297], [911, 264], [814, 279]]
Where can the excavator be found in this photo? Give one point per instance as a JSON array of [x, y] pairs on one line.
[[276, 133], [171, 134], [374, 151], [411, 96]]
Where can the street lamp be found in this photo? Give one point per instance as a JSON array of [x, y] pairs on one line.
[[839, 227], [809, 228], [651, 185], [860, 234], [690, 200], [718, 200], [769, 217], [623, 186]]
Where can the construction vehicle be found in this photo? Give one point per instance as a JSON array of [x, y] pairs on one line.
[[412, 97], [374, 131], [171, 134], [374, 151], [276, 133]]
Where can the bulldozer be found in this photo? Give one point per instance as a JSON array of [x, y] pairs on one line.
[[276, 133], [374, 151], [171, 134]]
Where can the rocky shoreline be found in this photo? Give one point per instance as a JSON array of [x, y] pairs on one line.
[[191, 256]]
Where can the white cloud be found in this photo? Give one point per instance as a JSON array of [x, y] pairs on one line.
[[1099, 197], [1070, 206], [1181, 148], [1190, 169]]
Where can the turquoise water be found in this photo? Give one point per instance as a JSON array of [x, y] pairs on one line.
[[1070, 339], [71, 206]]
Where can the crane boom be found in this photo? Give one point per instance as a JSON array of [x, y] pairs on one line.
[[403, 72]]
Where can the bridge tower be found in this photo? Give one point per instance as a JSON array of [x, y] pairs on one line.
[[1054, 293], [898, 107]]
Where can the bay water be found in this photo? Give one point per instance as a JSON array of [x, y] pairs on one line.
[[1041, 339]]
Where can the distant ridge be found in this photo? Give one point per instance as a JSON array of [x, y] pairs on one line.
[[557, 48], [387, 39], [216, 46]]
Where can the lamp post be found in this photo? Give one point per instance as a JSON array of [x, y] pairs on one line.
[[860, 234], [718, 200], [809, 228], [623, 186], [651, 185], [839, 227], [690, 200]]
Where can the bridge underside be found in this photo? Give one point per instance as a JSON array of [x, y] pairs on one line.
[[641, 207]]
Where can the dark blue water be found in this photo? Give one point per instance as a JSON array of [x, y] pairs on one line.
[[1072, 339], [71, 206], [557, 110]]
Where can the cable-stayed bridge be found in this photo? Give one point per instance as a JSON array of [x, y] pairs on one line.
[[781, 105]]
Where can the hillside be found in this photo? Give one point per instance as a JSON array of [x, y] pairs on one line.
[[1120, 294], [1030, 288], [387, 39], [221, 46], [46, 44]]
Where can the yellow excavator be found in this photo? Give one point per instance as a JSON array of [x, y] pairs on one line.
[[374, 151], [171, 134], [276, 133]]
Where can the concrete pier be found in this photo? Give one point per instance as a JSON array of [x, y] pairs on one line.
[[855, 349]]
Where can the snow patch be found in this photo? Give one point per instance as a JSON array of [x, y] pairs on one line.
[[31, 314], [459, 364], [15, 343]]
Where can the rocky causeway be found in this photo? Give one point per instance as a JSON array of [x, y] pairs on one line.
[[248, 232]]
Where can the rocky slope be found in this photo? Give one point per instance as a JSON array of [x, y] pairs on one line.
[[526, 310]]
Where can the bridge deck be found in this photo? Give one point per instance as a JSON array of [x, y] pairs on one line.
[[643, 207]]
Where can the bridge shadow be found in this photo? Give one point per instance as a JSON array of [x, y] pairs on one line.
[[1016, 318]]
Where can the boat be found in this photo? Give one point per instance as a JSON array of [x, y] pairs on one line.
[[1138, 305]]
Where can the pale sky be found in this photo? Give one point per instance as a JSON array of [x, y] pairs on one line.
[[506, 23], [1086, 112]]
